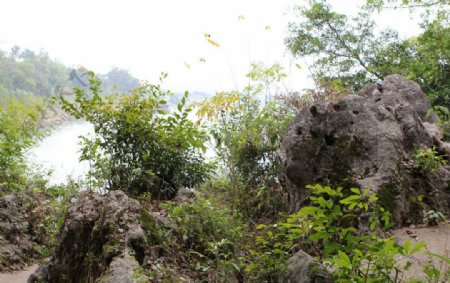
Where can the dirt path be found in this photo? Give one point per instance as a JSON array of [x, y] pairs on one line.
[[18, 276], [438, 242]]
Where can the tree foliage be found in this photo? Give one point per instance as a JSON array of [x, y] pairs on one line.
[[19, 130], [348, 51], [138, 146], [119, 79], [25, 71]]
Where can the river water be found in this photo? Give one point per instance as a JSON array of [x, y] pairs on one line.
[[59, 152]]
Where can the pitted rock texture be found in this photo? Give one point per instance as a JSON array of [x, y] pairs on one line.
[[368, 141], [98, 231]]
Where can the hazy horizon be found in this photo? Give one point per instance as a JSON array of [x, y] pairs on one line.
[[150, 37]]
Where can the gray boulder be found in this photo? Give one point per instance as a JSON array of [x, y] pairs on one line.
[[367, 141], [98, 237], [123, 269], [302, 268]]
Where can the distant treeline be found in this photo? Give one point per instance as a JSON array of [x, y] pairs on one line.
[[26, 72]]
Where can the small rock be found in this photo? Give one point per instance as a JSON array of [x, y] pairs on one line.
[[302, 268]]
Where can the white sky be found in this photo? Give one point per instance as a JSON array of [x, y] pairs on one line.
[[148, 37]]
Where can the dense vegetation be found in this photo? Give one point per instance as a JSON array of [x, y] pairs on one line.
[[349, 52], [140, 147], [149, 151]]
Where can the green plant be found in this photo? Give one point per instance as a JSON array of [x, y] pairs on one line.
[[443, 114], [138, 146], [342, 228], [433, 273], [433, 217], [428, 160], [247, 133], [207, 235], [145, 198], [19, 130]]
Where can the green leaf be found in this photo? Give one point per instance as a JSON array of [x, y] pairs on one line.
[[261, 226], [318, 236], [443, 258], [344, 260], [417, 248], [353, 199], [406, 248]]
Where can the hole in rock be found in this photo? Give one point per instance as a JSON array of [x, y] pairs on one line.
[[329, 139], [313, 110]]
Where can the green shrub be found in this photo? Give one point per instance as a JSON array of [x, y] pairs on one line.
[[247, 132], [138, 146], [207, 235], [433, 218], [19, 130], [343, 229], [443, 114], [428, 160]]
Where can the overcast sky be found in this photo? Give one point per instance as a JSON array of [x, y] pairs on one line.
[[154, 36]]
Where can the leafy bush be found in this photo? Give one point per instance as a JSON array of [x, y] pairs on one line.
[[19, 130], [207, 235], [139, 147], [432, 217], [247, 134], [428, 160], [443, 114], [343, 229]]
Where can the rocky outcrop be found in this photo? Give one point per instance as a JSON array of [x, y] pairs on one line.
[[101, 238], [302, 268], [22, 229], [368, 140]]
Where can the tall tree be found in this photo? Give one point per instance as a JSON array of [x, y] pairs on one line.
[[347, 51]]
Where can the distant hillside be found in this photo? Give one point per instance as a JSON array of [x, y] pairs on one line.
[[25, 72]]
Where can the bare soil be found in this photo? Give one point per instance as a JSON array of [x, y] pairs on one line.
[[438, 242], [18, 276]]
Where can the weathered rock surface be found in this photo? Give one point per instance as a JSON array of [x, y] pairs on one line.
[[368, 141], [22, 229], [99, 234], [302, 268]]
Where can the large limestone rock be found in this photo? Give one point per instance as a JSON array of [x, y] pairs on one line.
[[99, 236], [367, 140]]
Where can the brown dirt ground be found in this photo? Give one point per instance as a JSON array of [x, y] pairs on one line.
[[438, 242], [18, 276]]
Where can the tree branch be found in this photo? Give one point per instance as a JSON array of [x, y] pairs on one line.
[[350, 51]]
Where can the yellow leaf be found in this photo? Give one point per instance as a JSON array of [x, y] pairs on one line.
[[213, 43]]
